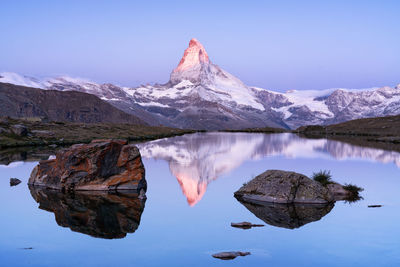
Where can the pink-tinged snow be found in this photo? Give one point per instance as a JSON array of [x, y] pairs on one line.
[[194, 55]]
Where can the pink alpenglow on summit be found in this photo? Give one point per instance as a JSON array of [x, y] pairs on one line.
[[194, 55]]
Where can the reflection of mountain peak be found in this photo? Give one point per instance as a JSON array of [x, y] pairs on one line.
[[197, 159], [192, 189]]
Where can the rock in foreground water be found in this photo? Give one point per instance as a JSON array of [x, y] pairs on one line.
[[14, 181], [101, 165], [230, 255], [277, 186]]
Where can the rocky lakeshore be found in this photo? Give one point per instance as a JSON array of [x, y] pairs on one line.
[[37, 132]]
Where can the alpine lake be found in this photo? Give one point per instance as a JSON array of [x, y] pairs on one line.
[[190, 206]]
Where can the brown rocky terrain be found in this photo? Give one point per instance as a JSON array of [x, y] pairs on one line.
[[52, 105], [24, 132]]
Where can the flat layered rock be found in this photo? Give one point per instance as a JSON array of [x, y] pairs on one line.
[[276, 186], [102, 165]]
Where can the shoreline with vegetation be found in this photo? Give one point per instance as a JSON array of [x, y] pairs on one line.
[[379, 129], [25, 133], [380, 133]]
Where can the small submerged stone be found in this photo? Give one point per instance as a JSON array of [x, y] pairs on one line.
[[14, 181], [374, 206], [246, 225], [230, 255]]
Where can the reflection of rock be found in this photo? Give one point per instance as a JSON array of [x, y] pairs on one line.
[[277, 186], [246, 225], [10, 155], [100, 165], [289, 216], [230, 255], [97, 214]]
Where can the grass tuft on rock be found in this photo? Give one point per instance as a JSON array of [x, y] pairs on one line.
[[323, 177]]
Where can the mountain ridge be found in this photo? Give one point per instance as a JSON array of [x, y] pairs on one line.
[[201, 95]]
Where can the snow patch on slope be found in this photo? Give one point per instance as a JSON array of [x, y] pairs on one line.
[[14, 78]]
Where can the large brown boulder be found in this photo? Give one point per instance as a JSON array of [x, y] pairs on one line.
[[277, 186], [101, 165]]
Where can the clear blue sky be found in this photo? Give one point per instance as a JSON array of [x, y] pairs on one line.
[[272, 44]]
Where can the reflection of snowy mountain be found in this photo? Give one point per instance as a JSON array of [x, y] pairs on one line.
[[197, 159]]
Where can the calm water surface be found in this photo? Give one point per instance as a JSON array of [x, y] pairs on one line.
[[190, 205]]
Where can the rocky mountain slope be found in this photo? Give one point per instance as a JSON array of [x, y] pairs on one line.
[[51, 105], [201, 95]]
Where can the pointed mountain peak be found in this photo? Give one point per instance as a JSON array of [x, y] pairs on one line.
[[193, 56]]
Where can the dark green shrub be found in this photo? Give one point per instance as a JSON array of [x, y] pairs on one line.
[[322, 177]]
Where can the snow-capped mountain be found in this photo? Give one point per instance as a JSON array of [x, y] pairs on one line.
[[201, 95]]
